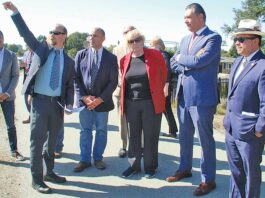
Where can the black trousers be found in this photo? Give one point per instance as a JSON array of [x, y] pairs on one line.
[[141, 117], [172, 125]]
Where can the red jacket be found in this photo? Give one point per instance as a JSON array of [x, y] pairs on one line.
[[157, 75]]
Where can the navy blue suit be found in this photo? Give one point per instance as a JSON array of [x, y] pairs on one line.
[[105, 83], [246, 114], [197, 98]]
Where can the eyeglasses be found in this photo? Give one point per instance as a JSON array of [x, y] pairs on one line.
[[56, 33], [137, 40], [242, 39]]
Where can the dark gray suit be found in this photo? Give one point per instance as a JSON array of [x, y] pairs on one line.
[[46, 114], [9, 75]]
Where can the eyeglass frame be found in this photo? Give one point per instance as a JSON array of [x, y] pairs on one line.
[[56, 33], [243, 39], [136, 40]]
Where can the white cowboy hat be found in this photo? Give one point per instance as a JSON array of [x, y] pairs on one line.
[[249, 26]]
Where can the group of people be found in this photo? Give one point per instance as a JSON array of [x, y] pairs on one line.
[[141, 78]]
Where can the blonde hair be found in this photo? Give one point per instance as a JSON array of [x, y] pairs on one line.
[[157, 41], [134, 34]]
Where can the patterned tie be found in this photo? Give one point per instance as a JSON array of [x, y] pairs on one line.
[[94, 69], [54, 80]]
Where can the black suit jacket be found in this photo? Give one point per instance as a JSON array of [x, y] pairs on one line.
[[41, 52], [106, 79]]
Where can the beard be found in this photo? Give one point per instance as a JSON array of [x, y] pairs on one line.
[[53, 42]]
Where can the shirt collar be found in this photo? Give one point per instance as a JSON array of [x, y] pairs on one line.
[[201, 30], [99, 50], [251, 55]]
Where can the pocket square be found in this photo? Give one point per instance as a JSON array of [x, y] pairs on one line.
[[249, 114]]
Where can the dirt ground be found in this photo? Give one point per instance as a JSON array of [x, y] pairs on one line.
[[9, 182]]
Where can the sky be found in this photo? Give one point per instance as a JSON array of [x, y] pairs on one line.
[[162, 18]]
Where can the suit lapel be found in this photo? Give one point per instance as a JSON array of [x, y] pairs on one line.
[[102, 63], [197, 40], [251, 64], [5, 60], [233, 72], [247, 68]]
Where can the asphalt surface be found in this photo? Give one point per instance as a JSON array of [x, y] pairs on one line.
[[108, 183]]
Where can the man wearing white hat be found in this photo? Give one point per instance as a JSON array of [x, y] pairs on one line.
[[245, 116]]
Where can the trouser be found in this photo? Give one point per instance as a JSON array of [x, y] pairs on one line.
[[141, 117], [173, 129], [197, 119], [244, 158], [8, 108], [123, 129], [46, 121], [88, 120]]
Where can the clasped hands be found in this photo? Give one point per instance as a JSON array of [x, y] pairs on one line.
[[3, 97], [91, 102]]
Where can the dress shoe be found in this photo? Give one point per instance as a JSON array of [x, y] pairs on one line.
[[52, 177], [178, 176], [171, 135], [81, 166], [149, 174], [17, 156], [41, 187], [99, 164], [204, 188], [57, 155], [122, 153], [129, 172], [27, 121]]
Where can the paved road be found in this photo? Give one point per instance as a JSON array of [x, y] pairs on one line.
[[108, 183]]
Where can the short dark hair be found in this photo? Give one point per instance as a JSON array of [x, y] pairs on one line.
[[198, 9], [1, 33], [100, 30]]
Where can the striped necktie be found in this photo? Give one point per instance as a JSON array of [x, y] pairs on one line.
[[94, 69]]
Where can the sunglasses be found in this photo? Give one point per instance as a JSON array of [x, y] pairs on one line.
[[242, 39], [56, 33], [137, 40]]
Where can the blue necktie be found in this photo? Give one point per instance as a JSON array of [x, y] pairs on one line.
[[54, 81], [94, 69]]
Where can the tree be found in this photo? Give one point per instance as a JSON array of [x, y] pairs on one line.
[[18, 49], [75, 42], [252, 9], [110, 48]]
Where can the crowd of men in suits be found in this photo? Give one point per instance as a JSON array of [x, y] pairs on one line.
[[53, 77]]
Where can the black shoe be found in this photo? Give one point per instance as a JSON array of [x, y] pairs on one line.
[[172, 135], [27, 121], [41, 187], [149, 174], [17, 156], [129, 172], [57, 155], [122, 153], [52, 177], [81, 166]]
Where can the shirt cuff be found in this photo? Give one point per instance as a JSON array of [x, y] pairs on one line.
[[14, 13], [7, 94]]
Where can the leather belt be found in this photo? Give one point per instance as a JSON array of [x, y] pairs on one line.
[[50, 98]]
